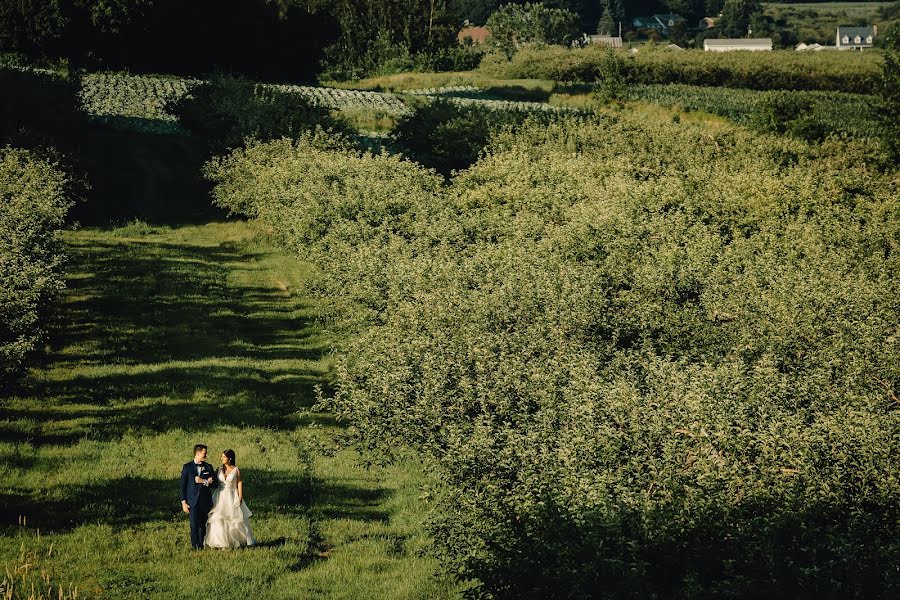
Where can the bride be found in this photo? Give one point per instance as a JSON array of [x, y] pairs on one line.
[[229, 519]]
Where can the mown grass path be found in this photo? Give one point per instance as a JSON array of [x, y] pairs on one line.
[[172, 336]]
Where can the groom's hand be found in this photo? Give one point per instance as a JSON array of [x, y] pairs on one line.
[[197, 479], [185, 507]]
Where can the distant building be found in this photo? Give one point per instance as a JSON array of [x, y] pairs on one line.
[[706, 23], [472, 35], [856, 37], [606, 40], [728, 45], [801, 47], [660, 23]]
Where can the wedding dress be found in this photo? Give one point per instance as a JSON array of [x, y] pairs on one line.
[[229, 522]]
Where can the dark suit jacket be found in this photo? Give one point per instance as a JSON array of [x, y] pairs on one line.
[[197, 494]]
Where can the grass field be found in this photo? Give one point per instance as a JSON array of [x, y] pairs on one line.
[[177, 334]]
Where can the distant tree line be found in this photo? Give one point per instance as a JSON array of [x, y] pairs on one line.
[[272, 39], [303, 39]]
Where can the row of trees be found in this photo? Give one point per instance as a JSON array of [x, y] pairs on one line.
[[630, 382], [290, 39]]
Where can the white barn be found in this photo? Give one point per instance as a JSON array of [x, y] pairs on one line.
[[727, 45]]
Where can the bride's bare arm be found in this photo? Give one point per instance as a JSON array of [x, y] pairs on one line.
[[240, 485]]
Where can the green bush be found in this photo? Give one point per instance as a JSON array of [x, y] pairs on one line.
[[826, 112], [33, 206], [449, 136], [888, 92], [851, 72], [646, 360], [514, 25], [228, 109]]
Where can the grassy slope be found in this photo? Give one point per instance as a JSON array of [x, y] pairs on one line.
[[174, 335]]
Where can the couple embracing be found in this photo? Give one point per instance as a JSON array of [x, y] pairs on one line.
[[215, 502]]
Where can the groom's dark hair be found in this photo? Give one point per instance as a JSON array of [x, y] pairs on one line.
[[198, 448]]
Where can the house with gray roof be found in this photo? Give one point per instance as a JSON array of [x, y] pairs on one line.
[[660, 23], [856, 37]]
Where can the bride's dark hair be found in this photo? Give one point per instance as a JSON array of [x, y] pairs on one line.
[[231, 460]]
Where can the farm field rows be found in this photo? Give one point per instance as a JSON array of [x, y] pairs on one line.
[[142, 101]]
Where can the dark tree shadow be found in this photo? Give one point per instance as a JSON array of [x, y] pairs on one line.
[[158, 320]]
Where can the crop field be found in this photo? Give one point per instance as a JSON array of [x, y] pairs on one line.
[[143, 102]]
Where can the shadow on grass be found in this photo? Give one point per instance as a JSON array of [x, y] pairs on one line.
[[128, 501], [134, 500], [143, 175], [148, 320], [342, 501]]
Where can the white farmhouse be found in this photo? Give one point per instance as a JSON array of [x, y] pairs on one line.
[[727, 45], [856, 37]]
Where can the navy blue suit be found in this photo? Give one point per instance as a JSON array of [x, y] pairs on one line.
[[198, 497]]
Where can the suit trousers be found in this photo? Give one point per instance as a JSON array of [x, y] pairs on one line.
[[198, 516]]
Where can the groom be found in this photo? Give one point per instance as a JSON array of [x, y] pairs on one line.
[[197, 481]]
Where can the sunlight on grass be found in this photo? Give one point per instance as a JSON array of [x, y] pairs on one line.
[[179, 335]]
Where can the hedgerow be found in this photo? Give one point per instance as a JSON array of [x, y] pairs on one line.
[[644, 360], [449, 136], [814, 113], [228, 109], [850, 72], [33, 206]]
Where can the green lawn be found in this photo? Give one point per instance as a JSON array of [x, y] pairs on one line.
[[176, 335]]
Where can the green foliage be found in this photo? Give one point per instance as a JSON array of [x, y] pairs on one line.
[[228, 109], [33, 206], [611, 83], [692, 10], [513, 25], [449, 136], [607, 24], [737, 16], [375, 33], [647, 360], [823, 112], [32, 26], [889, 92], [832, 71], [786, 112]]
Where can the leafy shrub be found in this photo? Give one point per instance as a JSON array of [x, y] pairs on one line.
[[449, 136], [647, 360], [611, 83], [512, 25], [454, 58], [33, 206], [852, 72], [786, 112], [889, 91], [827, 112], [228, 109]]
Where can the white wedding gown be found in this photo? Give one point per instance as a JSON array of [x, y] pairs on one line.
[[229, 523]]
